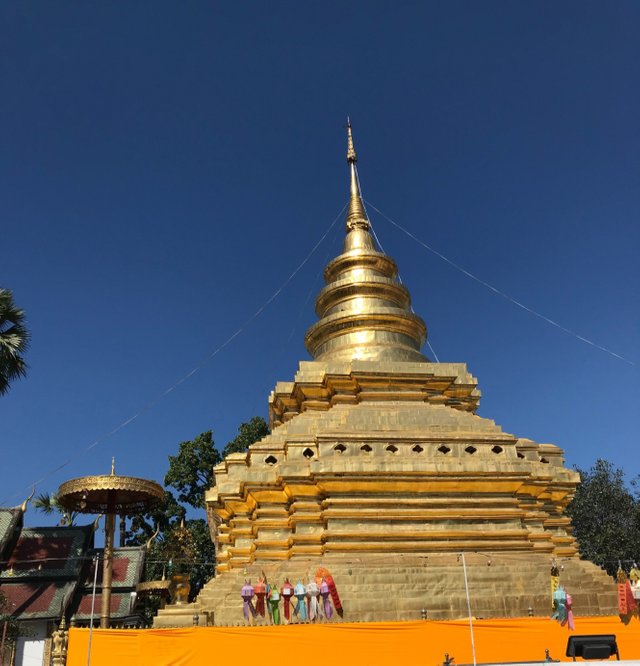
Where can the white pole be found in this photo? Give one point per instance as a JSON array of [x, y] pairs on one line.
[[466, 587], [93, 604]]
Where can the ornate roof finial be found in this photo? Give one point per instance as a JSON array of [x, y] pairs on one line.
[[23, 506], [356, 215], [113, 466], [153, 537]]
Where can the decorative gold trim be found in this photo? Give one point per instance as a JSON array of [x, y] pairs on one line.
[[153, 586]]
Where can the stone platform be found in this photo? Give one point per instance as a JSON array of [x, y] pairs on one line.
[[398, 588]]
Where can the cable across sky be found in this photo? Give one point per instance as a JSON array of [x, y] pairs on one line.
[[501, 293]]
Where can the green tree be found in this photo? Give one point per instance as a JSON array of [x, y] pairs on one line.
[[14, 340], [163, 518], [191, 471], [606, 517], [248, 433]]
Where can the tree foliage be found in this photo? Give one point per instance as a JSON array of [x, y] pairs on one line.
[[248, 433], [12, 631], [606, 517], [48, 503], [191, 471], [14, 340]]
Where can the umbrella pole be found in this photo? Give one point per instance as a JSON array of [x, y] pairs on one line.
[[109, 529]]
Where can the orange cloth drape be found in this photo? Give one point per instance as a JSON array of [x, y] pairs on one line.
[[357, 644]]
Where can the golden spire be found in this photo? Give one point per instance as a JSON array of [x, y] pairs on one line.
[[364, 311], [356, 215]]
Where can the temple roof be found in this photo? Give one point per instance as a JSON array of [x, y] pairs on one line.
[[34, 600], [365, 311], [10, 524], [49, 570], [48, 552]]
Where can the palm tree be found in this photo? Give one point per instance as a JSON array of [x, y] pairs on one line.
[[14, 340], [49, 504]]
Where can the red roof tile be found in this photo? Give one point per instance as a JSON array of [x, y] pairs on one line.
[[126, 567], [120, 606], [49, 551], [37, 600], [41, 550]]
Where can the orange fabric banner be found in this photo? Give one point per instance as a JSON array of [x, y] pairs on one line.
[[357, 644]]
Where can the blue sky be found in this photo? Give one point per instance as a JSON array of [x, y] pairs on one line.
[[165, 167]]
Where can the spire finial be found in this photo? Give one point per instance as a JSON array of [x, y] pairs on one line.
[[352, 157], [356, 215], [113, 466]]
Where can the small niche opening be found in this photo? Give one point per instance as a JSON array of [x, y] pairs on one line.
[[444, 449], [497, 449], [308, 453], [520, 455], [339, 448], [544, 460], [471, 450], [271, 460], [366, 448], [392, 449], [417, 449]]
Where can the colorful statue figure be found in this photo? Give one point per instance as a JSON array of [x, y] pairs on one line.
[[274, 604], [570, 623], [559, 605], [261, 592], [301, 607], [267, 588], [333, 591], [326, 604], [312, 599], [287, 593], [247, 604], [634, 577]]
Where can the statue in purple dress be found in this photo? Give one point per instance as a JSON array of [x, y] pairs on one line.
[[247, 594], [324, 593]]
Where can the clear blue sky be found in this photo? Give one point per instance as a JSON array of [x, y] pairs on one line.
[[165, 166]]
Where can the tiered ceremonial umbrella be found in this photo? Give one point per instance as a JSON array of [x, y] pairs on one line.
[[109, 494]]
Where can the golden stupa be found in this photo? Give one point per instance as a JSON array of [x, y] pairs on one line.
[[379, 468]]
